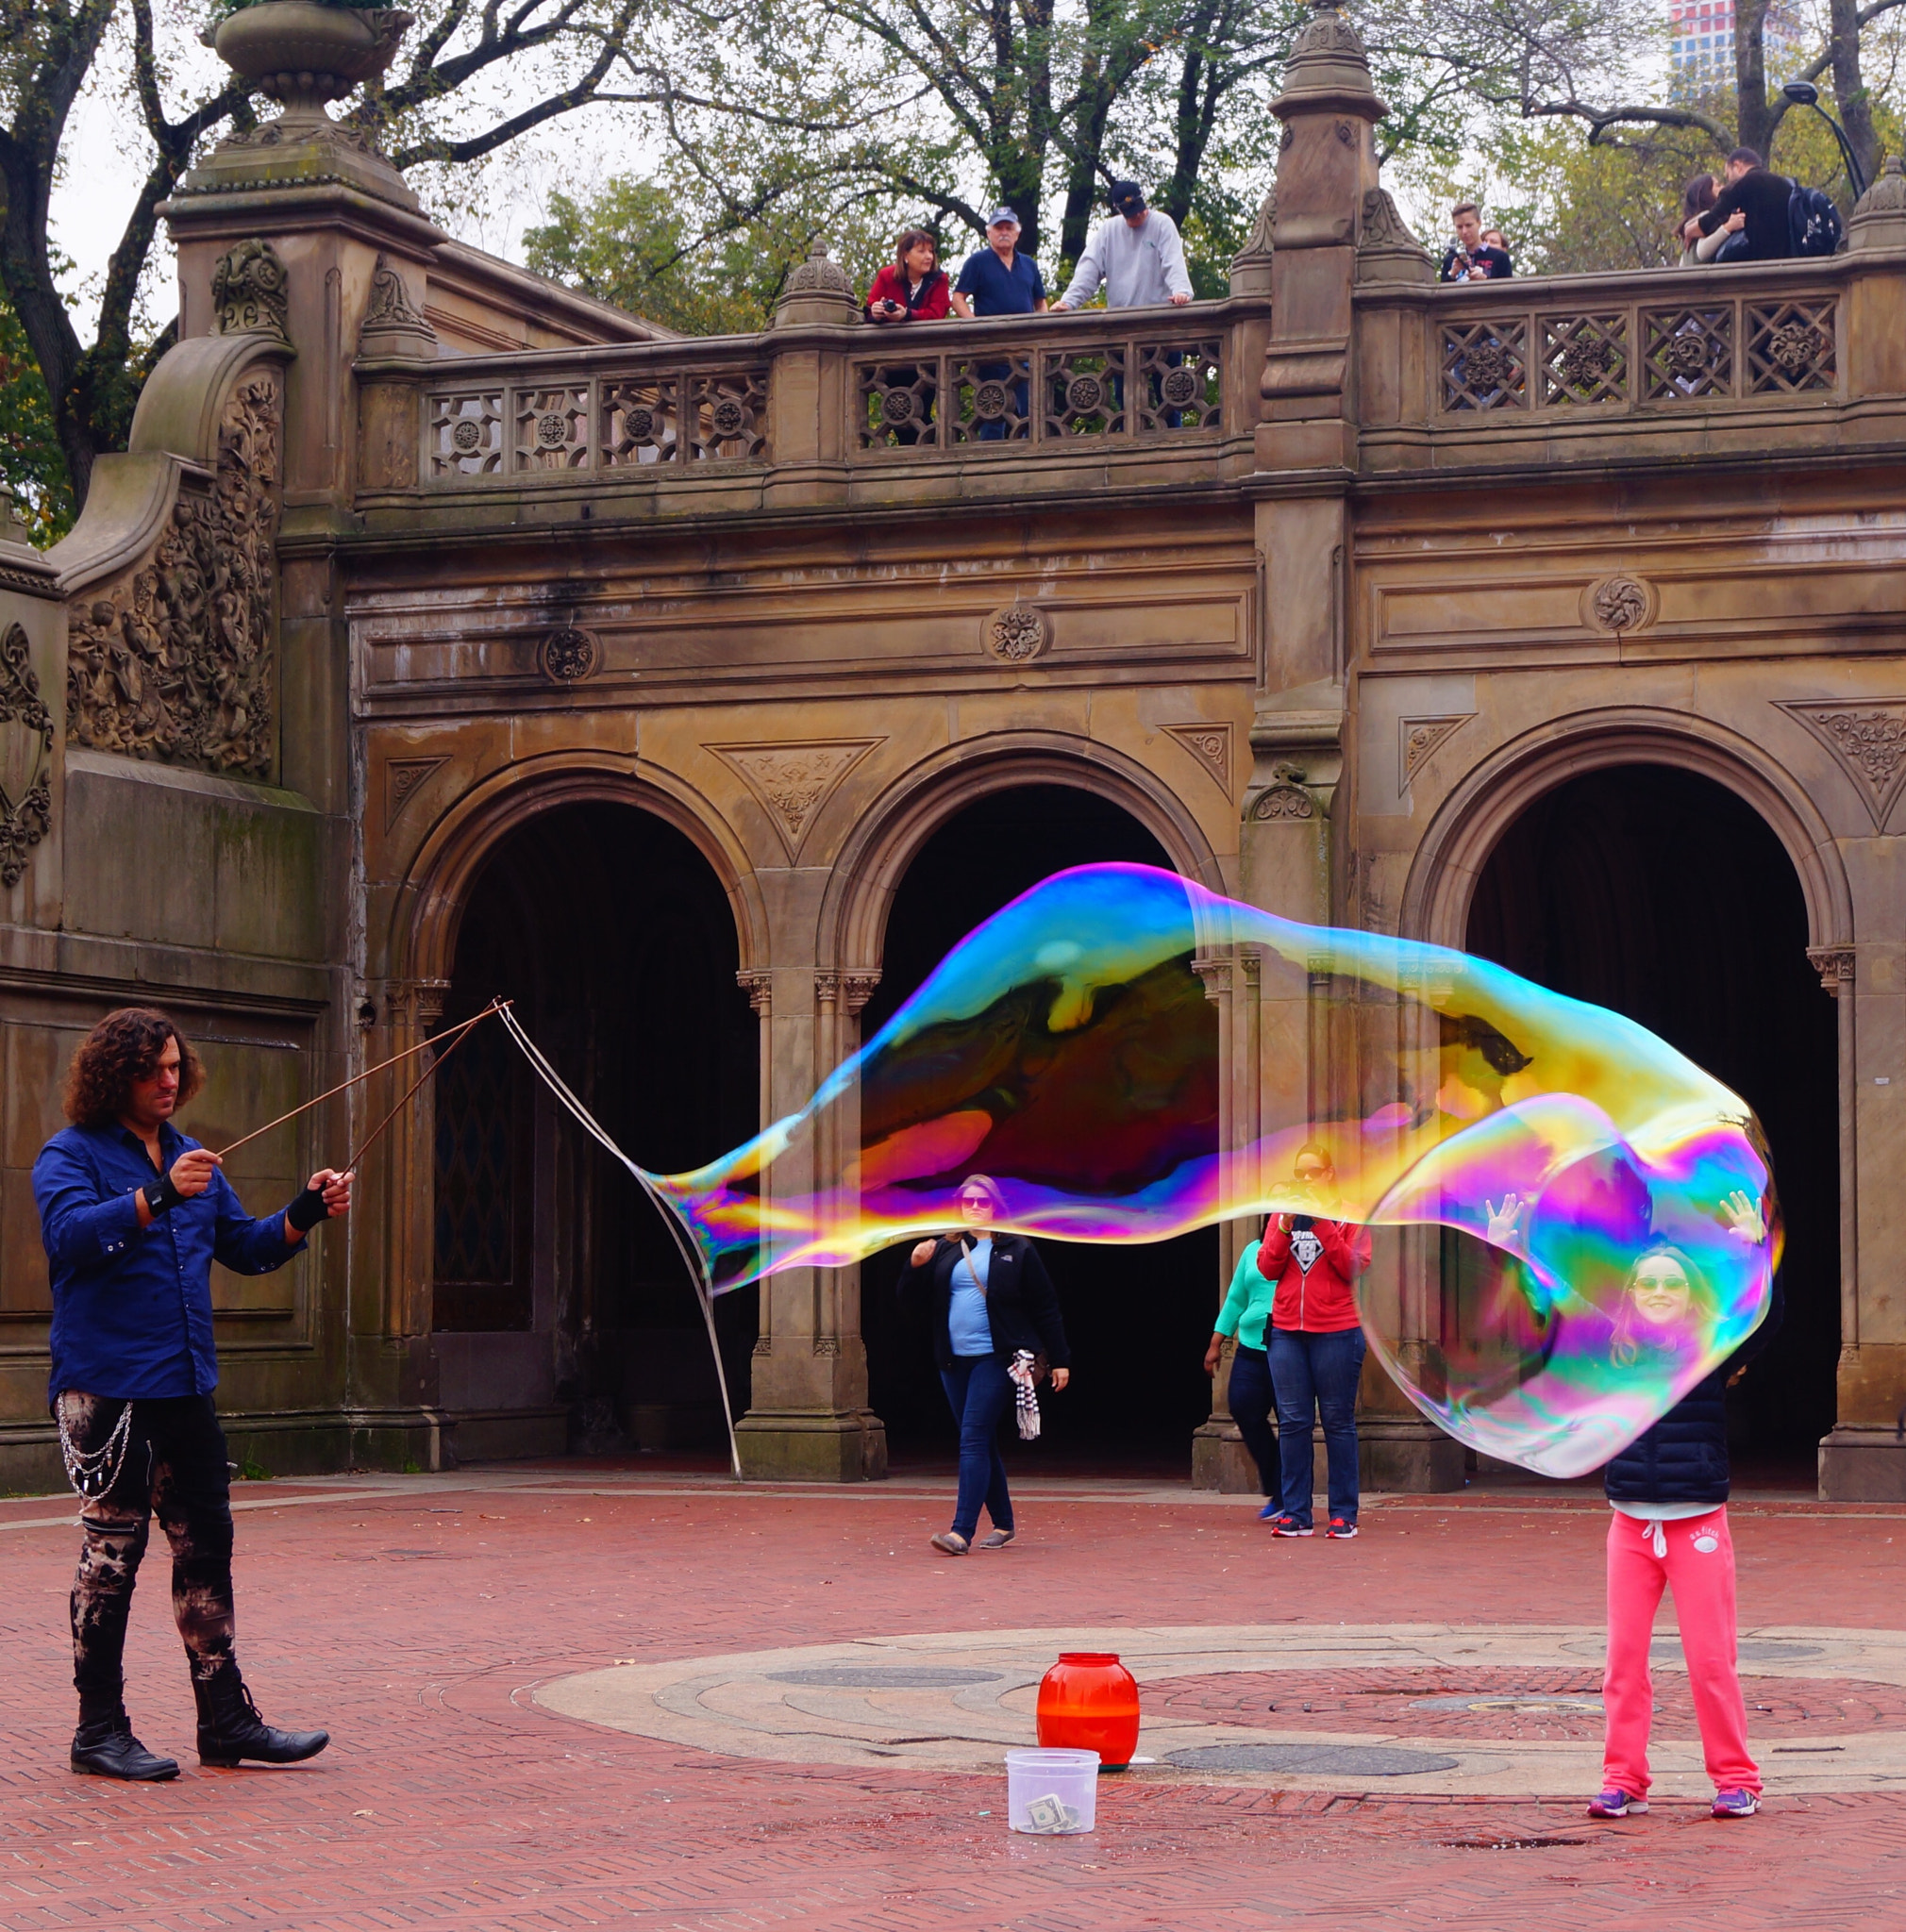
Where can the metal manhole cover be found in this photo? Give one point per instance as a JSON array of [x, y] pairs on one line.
[[883, 1677], [1509, 1700], [1754, 1651], [1313, 1760]]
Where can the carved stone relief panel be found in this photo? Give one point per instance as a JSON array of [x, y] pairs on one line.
[[1420, 738], [793, 781], [401, 778], [1211, 746], [1867, 738], [25, 757], [177, 659]]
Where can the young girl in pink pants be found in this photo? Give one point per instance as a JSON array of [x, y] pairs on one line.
[[1669, 1492]]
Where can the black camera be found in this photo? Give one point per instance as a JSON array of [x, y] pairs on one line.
[[1301, 1223]]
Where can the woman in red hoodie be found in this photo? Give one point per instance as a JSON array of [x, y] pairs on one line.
[[1316, 1346]]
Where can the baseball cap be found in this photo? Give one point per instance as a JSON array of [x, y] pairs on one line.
[[1003, 215], [1126, 197]]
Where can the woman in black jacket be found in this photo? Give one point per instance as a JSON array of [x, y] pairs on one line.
[[988, 1296]]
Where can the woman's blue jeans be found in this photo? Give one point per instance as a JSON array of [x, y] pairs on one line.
[[980, 1392], [1317, 1375]]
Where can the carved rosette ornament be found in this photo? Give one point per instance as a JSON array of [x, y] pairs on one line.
[[1018, 634], [1620, 604], [178, 660], [25, 757], [251, 291], [568, 655]]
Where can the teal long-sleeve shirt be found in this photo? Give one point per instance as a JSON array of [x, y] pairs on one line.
[[1247, 1307]]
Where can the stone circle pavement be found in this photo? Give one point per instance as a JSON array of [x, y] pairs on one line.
[[957, 1701]]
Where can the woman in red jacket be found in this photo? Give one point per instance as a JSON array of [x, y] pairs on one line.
[[1316, 1346], [912, 287]]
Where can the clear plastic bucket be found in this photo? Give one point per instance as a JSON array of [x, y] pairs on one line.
[[1051, 1793]]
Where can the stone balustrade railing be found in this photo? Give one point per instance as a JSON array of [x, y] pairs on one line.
[[1759, 356], [1663, 341]]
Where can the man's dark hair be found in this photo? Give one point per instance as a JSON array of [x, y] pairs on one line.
[[1464, 208], [1746, 155], [125, 1047]]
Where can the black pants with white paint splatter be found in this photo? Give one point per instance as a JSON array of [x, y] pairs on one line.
[[175, 1468]]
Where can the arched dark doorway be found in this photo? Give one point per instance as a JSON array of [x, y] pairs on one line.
[[557, 1287], [1138, 1318], [1661, 895]]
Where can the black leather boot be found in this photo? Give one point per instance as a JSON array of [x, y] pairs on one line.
[[106, 1747], [230, 1728]]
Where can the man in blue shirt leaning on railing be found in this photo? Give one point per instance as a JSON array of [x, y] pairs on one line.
[[133, 1213]]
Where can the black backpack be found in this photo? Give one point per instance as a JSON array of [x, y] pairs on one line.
[[1813, 221]]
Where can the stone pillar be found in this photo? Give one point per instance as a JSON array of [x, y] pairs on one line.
[[1219, 1458], [1863, 1458], [1332, 228], [808, 1418]]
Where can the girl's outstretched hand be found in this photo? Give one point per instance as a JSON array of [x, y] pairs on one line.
[[1504, 1220], [1742, 1214]]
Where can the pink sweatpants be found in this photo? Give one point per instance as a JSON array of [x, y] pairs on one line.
[[1698, 1560]]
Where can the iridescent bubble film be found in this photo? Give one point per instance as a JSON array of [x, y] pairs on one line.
[[1069, 1048]]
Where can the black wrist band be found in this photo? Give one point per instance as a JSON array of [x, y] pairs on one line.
[[309, 1210], [161, 1197]]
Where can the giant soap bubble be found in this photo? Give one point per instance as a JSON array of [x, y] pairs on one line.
[[1069, 1048]]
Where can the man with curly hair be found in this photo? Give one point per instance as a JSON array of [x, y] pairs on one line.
[[133, 1213]]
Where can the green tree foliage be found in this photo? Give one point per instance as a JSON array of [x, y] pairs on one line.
[[31, 465]]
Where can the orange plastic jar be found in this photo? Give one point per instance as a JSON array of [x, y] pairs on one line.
[[1088, 1701]]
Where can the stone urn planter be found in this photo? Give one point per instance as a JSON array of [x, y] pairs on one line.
[[303, 53]]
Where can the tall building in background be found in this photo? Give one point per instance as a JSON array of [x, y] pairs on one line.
[[1702, 50]]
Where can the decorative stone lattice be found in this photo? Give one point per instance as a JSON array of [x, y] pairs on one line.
[[25, 757], [1690, 352], [177, 662], [1584, 359], [251, 291], [1484, 365], [1018, 634], [1789, 347]]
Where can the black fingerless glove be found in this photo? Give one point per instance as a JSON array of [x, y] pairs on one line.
[[309, 1210], [1301, 1223], [161, 1197]]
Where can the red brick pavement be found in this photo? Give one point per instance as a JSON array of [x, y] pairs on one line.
[[417, 1627]]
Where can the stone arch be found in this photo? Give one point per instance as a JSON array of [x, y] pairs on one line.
[[1471, 821], [437, 887], [891, 832]]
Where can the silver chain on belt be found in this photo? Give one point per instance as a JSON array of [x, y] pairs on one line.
[[92, 1471]]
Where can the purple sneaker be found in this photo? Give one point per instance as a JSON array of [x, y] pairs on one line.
[[1617, 1804], [1736, 1804]]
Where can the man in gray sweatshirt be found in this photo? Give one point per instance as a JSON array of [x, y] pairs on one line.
[[1136, 255]]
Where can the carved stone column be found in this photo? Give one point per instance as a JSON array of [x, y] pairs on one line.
[[808, 1417], [1863, 1458], [1219, 1458]]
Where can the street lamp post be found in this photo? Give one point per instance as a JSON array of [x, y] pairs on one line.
[[1803, 93]]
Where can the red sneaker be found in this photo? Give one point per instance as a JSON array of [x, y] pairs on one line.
[[1340, 1531]]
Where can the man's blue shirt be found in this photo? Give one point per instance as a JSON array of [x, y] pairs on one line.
[[132, 1305], [996, 290]]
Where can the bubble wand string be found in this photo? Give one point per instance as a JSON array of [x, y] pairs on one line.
[[436, 1066], [306, 1105], [697, 1272]]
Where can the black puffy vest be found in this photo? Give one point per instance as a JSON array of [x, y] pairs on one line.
[[1683, 1458]]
